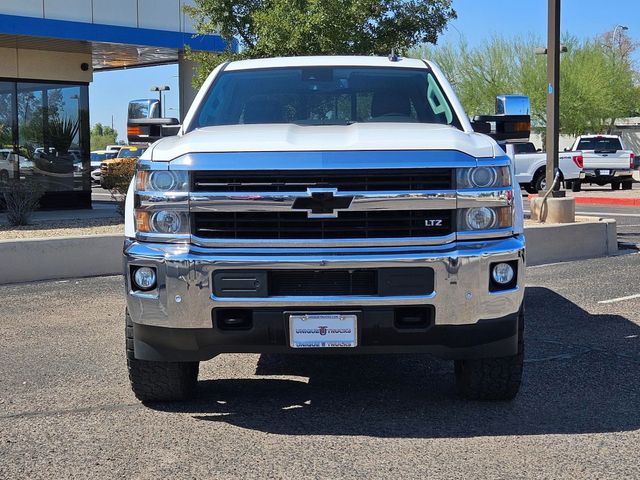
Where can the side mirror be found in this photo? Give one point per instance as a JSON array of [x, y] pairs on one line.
[[513, 105], [503, 128], [538, 149], [566, 149], [511, 122], [148, 130]]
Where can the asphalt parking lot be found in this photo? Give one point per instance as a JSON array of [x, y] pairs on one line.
[[66, 410]]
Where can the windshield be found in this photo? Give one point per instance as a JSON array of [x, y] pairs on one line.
[[324, 96], [600, 144], [130, 152]]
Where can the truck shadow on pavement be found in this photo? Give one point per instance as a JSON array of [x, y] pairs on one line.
[[582, 375]]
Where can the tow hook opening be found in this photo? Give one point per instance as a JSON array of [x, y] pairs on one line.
[[413, 318], [233, 319]]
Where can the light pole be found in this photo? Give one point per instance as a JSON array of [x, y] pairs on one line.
[[552, 52], [553, 93], [160, 89], [615, 31]]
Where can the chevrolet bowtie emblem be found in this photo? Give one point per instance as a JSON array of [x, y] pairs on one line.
[[322, 203]]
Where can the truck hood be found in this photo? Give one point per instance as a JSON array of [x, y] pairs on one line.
[[290, 137]]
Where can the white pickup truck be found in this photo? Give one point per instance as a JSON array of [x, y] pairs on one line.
[[333, 205], [606, 160], [530, 166]]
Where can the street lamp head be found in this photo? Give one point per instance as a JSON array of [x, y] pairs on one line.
[[161, 88]]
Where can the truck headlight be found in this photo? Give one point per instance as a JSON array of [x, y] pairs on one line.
[[483, 177], [484, 218], [162, 205], [162, 181], [167, 222]]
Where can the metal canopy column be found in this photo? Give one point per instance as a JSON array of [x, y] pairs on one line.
[[186, 73]]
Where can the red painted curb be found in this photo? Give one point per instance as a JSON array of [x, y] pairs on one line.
[[625, 202]]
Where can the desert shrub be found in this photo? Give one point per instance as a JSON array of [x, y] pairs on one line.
[[117, 180], [20, 198]]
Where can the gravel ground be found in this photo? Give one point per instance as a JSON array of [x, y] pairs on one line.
[[66, 410], [63, 228]]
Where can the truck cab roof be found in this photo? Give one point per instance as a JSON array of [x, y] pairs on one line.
[[326, 61]]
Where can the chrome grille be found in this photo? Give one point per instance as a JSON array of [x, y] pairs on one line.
[[348, 180], [296, 225]]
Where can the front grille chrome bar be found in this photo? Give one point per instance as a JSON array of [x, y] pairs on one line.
[[330, 243], [283, 201]]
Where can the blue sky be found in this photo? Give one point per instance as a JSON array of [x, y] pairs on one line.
[[477, 20]]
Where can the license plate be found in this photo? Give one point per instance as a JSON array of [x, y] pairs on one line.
[[604, 172], [323, 330]]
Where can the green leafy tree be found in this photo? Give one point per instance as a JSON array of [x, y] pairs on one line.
[[101, 136], [596, 85], [267, 28]]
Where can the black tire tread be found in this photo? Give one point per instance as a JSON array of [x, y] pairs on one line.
[[159, 381], [492, 378]]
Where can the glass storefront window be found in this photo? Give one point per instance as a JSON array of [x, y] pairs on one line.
[[8, 167], [44, 127]]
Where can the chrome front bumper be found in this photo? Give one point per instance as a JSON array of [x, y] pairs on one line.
[[184, 297]]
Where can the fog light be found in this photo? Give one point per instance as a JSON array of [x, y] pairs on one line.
[[502, 273], [144, 278]]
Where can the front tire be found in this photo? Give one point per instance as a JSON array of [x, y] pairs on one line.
[[539, 182], [627, 185], [492, 378], [615, 185], [159, 381], [576, 186]]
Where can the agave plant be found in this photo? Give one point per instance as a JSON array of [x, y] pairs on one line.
[[62, 131]]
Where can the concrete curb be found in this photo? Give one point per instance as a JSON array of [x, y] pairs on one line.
[[62, 257], [590, 238], [621, 202], [98, 255]]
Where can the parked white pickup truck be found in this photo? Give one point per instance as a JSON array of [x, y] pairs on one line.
[[326, 205], [606, 160], [530, 166]]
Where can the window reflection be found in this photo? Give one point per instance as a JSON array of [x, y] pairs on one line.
[[44, 129]]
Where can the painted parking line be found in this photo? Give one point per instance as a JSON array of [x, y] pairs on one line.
[[600, 214], [620, 299]]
